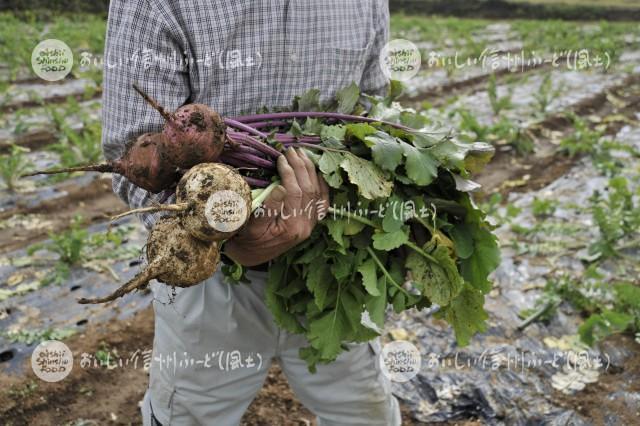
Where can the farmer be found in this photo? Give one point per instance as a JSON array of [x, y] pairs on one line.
[[214, 342]]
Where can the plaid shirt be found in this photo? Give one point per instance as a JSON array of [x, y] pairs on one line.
[[235, 56]]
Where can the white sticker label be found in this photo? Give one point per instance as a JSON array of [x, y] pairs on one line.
[[226, 211], [52, 60], [400, 60], [400, 361], [52, 361]]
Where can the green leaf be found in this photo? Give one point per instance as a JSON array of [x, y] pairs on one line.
[[486, 253], [352, 227], [311, 252], [399, 302], [628, 295], [348, 98], [441, 281], [479, 155], [235, 273], [311, 356], [363, 239], [421, 166], [296, 129], [353, 309], [452, 154], [463, 241], [292, 289], [395, 214], [388, 241], [369, 277], [309, 101], [383, 112], [342, 266], [353, 303], [330, 167], [326, 332], [599, 326], [395, 90], [334, 133], [423, 139], [366, 176], [413, 120], [336, 229], [360, 130], [276, 304], [466, 314], [385, 150], [377, 305], [485, 259], [312, 126], [319, 282]]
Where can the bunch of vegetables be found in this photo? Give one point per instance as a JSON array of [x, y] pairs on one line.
[[402, 229]]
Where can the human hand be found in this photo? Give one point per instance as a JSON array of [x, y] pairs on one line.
[[291, 212]]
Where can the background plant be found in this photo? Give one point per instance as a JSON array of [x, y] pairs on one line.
[[76, 247], [13, 165]]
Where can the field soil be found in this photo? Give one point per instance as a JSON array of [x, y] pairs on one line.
[[98, 395]]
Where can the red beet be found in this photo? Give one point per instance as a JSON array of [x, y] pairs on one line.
[[145, 163], [195, 132]]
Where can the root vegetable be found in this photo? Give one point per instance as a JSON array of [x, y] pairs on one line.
[[195, 132], [219, 201], [145, 163], [175, 258], [213, 202]]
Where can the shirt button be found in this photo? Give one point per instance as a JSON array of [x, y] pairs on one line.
[[293, 57]]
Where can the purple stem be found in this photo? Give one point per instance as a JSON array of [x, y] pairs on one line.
[[313, 114], [243, 148], [247, 159], [263, 124], [289, 138], [233, 162], [256, 183], [254, 143], [241, 126]]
